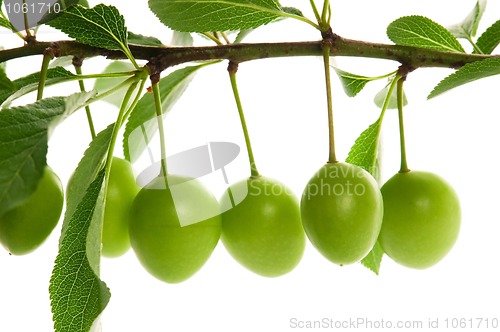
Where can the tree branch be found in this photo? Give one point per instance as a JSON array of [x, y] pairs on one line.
[[165, 57]]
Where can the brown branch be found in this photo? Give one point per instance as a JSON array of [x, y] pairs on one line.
[[164, 57]]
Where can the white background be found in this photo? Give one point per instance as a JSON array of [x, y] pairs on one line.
[[455, 135]]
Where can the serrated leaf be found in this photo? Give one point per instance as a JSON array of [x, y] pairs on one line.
[[142, 120], [29, 83], [62, 5], [421, 31], [490, 39], [76, 308], [134, 38], [86, 171], [468, 73], [468, 27], [364, 154], [364, 151], [393, 101], [215, 15], [103, 84], [374, 258], [24, 134], [101, 26]]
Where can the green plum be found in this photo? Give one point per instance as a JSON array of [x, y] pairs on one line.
[[421, 219], [174, 227], [25, 227], [263, 232], [342, 212], [122, 190]]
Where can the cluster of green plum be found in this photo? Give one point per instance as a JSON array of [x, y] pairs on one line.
[[415, 216]]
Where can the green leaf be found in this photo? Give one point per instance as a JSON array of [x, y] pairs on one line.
[[92, 161], [72, 303], [420, 31], [215, 15], [393, 101], [103, 84], [292, 11], [364, 151], [468, 27], [5, 83], [24, 134], [64, 5], [77, 294], [352, 83], [242, 35], [5, 23], [29, 83], [490, 39], [182, 39], [101, 26], [142, 120], [374, 258], [137, 39], [468, 73], [364, 154]]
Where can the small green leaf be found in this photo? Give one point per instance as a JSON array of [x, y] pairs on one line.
[[292, 11], [182, 39], [5, 23], [29, 83], [215, 15], [77, 294], [468, 27], [353, 83], [103, 84], [490, 39], [242, 35], [374, 258], [468, 73], [24, 134], [137, 39], [420, 31], [101, 26], [393, 101], [364, 154], [364, 151], [142, 122], [5, 83], [62, 61]]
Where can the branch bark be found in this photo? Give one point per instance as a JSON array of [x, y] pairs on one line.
[[165, 57]]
